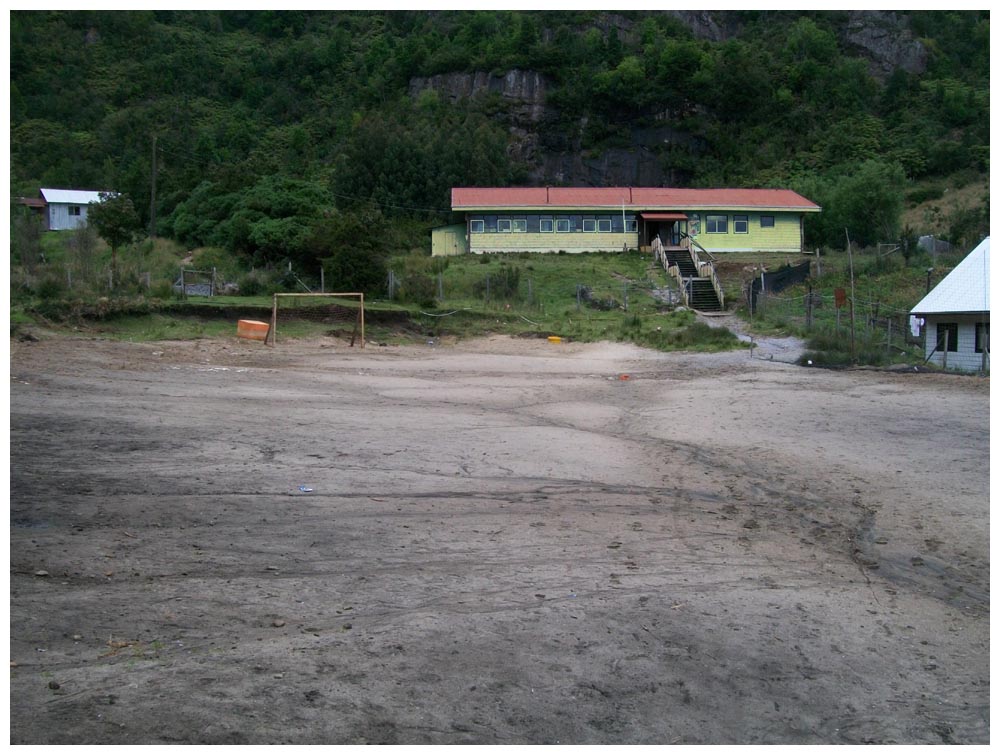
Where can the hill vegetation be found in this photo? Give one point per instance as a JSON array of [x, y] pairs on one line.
[[332, 139]]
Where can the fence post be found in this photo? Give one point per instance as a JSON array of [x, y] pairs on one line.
[[322, 280], [888, 334], [809, 309], [69, 278], [625, 294], [440, 286], [944, 361], [577, 297]]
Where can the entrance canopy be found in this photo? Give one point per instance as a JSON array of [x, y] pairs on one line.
[[663, 216]]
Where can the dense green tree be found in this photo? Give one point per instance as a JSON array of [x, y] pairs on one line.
[[239, 99], [353, 248], [116, 221]]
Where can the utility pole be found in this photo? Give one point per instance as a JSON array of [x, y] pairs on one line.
[[152, 196], [850, 257]]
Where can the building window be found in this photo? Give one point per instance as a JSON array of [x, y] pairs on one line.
[[503, 225], [476, 226], [519, 225], [74, 210], [545, 225], [632, 226], [982, 337], [589, 225], [767, 221], [562, 225], [949, 329], [604, 225], [741, 224], [716, 224]]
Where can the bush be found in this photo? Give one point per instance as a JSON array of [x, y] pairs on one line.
[[49, 286], [258, 283], [418, 289], [832, 348], [161, 290], [504, 284], [926, 194], [879, 265]]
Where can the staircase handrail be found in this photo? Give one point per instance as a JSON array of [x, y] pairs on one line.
[[682, 284], [694, 242], [701, 266]]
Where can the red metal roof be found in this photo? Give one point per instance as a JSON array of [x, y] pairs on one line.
[[635, 197]]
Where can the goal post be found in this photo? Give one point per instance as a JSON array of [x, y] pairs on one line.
[[303, 312]]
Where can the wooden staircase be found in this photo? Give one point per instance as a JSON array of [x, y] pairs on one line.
[[681, 258], [701, 293], [702, 296]]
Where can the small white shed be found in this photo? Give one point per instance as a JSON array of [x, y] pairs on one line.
[[955, 315], [66, 209]]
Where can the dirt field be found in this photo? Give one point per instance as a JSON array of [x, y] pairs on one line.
[[500, 541]]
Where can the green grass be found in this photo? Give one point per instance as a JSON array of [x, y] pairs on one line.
[[161, 327], [884, 286], [545, 302]]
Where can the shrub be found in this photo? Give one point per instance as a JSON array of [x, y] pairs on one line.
[[504, 284], [49, 286], [925, 194], [418, 289], [258, 283]]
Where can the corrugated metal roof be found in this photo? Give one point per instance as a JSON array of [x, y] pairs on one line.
[[964, 289], [634, 197], [70, 196]]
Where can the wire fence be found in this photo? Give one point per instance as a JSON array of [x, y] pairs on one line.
[[508, 289], [873, 321]]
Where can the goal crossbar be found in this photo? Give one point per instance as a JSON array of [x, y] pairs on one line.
[[315, 308]]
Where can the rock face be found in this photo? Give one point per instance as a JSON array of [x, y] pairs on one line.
[[704, 24], [554, 153], [524, 90], [884, 39]]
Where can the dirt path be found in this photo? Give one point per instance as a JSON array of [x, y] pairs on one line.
[[501, 541]]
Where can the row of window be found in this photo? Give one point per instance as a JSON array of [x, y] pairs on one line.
[[553, 224], [947, 336], [741, 223], [600, 224]]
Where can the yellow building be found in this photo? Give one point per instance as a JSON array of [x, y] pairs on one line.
[[553, 220]]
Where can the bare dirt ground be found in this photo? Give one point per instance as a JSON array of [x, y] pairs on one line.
[[499, 541]]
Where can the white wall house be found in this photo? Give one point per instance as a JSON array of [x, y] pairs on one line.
[[66, 209], [956, 315]]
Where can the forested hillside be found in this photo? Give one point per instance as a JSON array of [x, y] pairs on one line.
[[279, 135]]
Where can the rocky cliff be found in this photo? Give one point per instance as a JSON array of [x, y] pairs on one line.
[[553, 151]]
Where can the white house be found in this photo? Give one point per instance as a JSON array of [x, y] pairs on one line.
[[956, 315], [67, 208]]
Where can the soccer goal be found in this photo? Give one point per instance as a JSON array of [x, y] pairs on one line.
[[301, 313]]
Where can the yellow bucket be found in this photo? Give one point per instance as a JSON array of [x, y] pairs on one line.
[[555, 339]]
